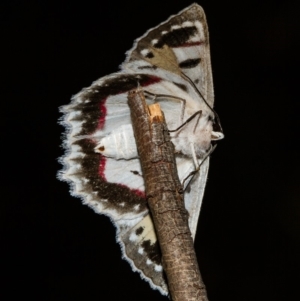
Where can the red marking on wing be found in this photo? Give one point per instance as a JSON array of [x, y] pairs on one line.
[[152, 80], [189, 44], [139, 193], [103, 111], [101, 169]]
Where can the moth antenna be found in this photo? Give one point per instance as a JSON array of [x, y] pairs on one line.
[[197, 122]]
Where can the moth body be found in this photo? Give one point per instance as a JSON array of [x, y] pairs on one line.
[[119, 144]]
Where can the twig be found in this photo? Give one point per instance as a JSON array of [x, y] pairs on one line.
[[165, 199]]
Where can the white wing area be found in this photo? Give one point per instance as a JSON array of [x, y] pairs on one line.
[[194, 195]]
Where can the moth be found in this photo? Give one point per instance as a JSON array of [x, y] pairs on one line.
[[171, 64]]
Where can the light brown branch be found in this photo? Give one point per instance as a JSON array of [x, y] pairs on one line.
[[165, 200]]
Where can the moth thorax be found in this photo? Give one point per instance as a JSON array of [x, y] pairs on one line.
[[197, 135]]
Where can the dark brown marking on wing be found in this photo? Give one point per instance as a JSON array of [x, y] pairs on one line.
[[153, 67], [149, 55], [176, 37], [153, 251], [135, 172], [190, 63], [139, 231], [181, 86]]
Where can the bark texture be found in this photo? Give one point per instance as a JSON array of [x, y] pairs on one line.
[[165, 199]]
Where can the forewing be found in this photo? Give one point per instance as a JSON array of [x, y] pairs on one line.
[[179, 45]]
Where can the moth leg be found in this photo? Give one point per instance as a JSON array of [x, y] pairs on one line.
[[196, 163], [196, 123], [183, 101], [188, 120]]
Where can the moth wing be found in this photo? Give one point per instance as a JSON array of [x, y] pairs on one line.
[[110, 186], [92, 114], [179, 46], [141, 249], [194, 189]]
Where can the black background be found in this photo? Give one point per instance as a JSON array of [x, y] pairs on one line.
[[249, 229]]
